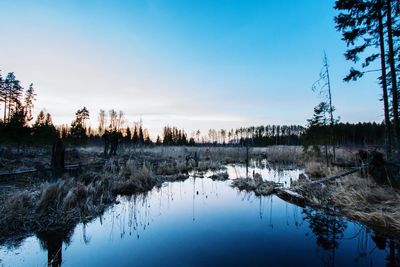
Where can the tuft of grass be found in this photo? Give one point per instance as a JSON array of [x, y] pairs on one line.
[[316, 169], [51, 196], [133, 180]]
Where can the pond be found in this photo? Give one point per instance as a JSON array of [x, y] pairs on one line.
[[200, 222]]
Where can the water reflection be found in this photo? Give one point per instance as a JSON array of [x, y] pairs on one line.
[[276, 173], [328, 230], [200, 222], [52, 242], [393, 247]]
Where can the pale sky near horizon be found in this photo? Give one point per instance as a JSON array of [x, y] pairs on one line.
[[187, 63]]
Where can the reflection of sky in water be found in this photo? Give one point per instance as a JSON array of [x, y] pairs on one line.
[[274, 173], [199, 222]]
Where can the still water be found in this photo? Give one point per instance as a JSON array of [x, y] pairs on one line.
[[200, 222]]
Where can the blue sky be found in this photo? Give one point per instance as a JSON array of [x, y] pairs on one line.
[[196, 64]]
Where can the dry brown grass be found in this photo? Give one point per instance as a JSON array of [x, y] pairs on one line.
[[259, 187], [318, 169], [362, 200], [280, 154], [359, 199], [132, 179], [71, 200]]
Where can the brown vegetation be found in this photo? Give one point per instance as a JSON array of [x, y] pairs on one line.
[[81, 197]]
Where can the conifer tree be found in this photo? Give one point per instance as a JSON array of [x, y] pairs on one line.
[[362, 26]]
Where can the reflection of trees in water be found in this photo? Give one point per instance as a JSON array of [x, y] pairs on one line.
[[391, 246], [266, 208], [328, 230], [52, 241], [393, 258], [276, 172], [134, 214]]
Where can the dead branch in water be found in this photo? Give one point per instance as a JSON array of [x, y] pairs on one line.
[[327, 179]]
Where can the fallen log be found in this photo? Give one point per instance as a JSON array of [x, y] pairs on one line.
[[290, 196], [326, 179]]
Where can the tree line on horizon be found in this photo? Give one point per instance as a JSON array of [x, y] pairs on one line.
[[18, 127], [371, 30]]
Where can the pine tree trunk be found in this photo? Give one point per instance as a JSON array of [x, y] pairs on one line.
[[388, 136], [395, 100], [9, 105], [5, 107]]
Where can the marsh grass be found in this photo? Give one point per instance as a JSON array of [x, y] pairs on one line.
[[363, 200], [258, 186], [280, 154], [357, 198], [70, 200]]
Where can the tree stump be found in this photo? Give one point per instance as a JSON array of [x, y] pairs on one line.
[[57, 159]]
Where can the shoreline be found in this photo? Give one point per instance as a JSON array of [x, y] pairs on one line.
[[74, 199]]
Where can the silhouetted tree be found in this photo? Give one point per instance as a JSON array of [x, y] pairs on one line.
[[128, 135], [43, 129], [12, 94], [140, 135], [28, 103], [135, 136], [362, 25], [78, 129], [323, 87], [158, 141], [81, 116], [320, 121], [113, 119], [393, 79], [3, 93], [17, 127], [102, 121]]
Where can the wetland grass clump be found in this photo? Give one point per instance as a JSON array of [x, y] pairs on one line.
[[256, 185], [68, 201], [279, 154], [219, 176], [358, 198], [362, 200], [132, 179], [316, 169]]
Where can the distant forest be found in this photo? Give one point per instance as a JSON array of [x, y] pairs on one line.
[[371, 31], [19, 127]]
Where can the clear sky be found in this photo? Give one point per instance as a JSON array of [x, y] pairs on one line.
[[196, 64]]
